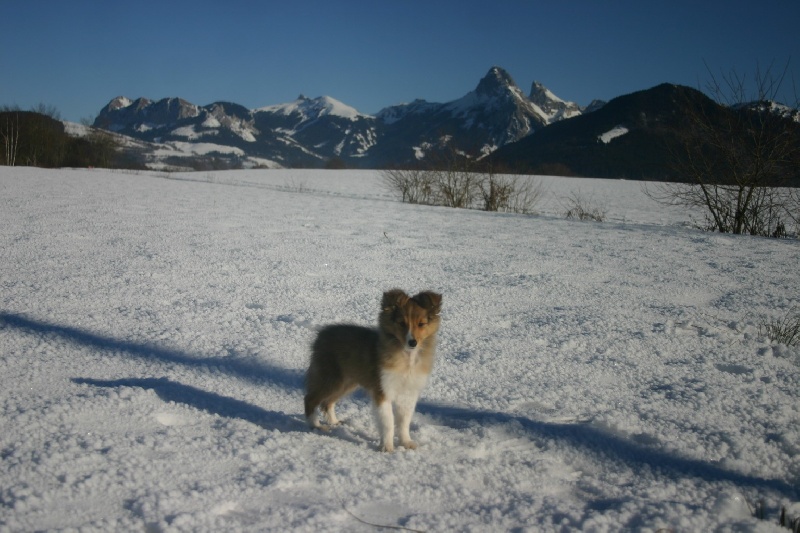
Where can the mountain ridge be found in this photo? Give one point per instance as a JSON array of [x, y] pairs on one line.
[[632, 136], [311, 131]]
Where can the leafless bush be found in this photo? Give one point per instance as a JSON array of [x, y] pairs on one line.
[[577, 206], [415, 186], [295, 185], [463, 188], [509, 193], [784, 330], [526, 194], [455, 187], [495, 191], [740, 158]]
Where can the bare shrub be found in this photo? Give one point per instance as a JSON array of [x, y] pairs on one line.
[[495, 191], [414, 186], [455, 187], [740, 158], [510, 193], [577, 206], [784, 330], [454, 179]]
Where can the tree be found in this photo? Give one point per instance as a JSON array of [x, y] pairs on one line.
[[9, 131], [38, 138], [103, 147], [30, 138], [740, 157]]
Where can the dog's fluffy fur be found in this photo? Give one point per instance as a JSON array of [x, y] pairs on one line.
[[392, 363]]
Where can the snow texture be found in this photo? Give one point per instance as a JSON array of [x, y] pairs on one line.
[[154, 330]]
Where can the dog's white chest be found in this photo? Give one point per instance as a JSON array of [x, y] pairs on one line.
[[397, 385]]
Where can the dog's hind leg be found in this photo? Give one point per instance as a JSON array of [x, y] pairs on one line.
[[330, 412], [329, 405], [311, 403]]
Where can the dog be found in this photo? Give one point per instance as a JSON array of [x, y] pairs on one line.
[[391, 362]]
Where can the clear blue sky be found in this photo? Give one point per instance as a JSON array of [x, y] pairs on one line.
[[77, 55]]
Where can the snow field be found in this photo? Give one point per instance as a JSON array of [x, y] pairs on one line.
[[600, 377]]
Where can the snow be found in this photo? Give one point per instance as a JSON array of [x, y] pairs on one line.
[[121, 102], [315, 108], [612, 134], [172, 148], [75, 129], [390, 115], [211, 122], [244, 131], [553, 97], [188, 132], [590, 376]]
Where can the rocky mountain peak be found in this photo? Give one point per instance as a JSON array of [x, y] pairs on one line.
[[118, 103], [497, 80], [553, 107]]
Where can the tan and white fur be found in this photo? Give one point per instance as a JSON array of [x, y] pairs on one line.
[[391, 362]]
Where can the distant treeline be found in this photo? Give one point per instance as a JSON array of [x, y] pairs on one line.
[[30, 138]]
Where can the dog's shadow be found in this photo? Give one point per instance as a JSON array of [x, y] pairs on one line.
[[210, 402]]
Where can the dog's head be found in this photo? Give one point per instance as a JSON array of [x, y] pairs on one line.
[[410, 319]]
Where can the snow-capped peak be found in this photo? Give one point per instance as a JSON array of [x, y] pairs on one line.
[[551, 106], [495, 90], [539, 91], [315, 108], [119, 102]]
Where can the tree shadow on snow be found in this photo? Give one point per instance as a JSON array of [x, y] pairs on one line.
[[604, 445], [172, 391], [259, 372], [593, 441]]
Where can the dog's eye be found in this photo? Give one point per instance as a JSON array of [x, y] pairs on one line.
[[423, 324]]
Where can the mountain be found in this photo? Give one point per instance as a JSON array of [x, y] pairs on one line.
[[324, 127], [312, 131], [632, 136], [495, 113], [306, 132]]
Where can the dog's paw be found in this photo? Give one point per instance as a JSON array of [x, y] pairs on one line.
[[409, 445], [319, 426], [387, 448]]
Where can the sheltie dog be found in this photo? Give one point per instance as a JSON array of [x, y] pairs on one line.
[[391, 362]]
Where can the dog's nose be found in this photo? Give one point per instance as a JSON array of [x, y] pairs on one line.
[[412, 343]]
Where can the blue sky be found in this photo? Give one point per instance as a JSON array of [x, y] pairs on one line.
[[77, 55]]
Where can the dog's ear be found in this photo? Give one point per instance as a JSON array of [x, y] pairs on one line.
[[393, 299], [430, 300]]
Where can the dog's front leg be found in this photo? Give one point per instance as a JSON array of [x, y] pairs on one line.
[[405, 410], [385, 419]]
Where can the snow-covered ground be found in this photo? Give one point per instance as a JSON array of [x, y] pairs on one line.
[[590, 376]]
